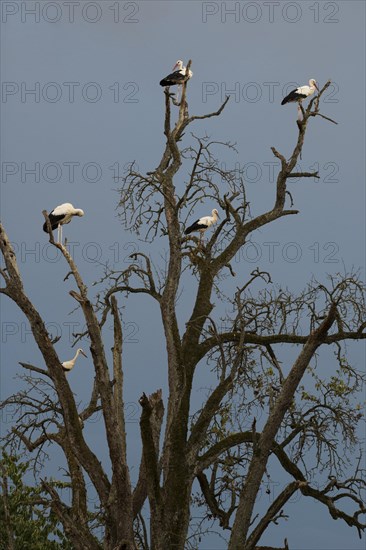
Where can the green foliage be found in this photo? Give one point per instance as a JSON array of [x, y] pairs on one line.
[[23, 511]]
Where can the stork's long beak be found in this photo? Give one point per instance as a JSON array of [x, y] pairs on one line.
[[175, 66], [82, 353], [316, 86]]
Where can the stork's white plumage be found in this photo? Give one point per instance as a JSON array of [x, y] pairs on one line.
[[61, 215], [178, 76], [202, 224], [302, 92], [68, 365]]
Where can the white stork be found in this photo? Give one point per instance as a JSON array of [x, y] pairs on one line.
[[69, 365], [302, 92], [61, 215], [203, 224], [177, 77]]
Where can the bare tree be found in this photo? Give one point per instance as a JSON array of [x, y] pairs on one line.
[[212, 458]]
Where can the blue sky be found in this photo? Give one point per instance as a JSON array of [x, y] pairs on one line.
[[96, 104]]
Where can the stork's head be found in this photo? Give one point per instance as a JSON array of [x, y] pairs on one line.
[[178, 66], [313, 83], [215, 213], [79, 212], [82, 352]]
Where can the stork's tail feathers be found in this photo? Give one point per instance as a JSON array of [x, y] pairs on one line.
[[53, 226], [164, 82], [191, 228]]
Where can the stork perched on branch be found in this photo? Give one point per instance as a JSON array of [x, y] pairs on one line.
[[202, 224], [301, 93], [61, 215], [177, 77], [69, 365]]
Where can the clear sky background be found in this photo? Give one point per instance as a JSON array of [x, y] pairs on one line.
[[81, 98]]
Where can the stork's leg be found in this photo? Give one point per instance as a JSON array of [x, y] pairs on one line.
[[58, 233]]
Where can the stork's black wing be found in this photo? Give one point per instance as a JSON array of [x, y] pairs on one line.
[[55, 220], [196, 226], [172, 79], [292, 96]]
